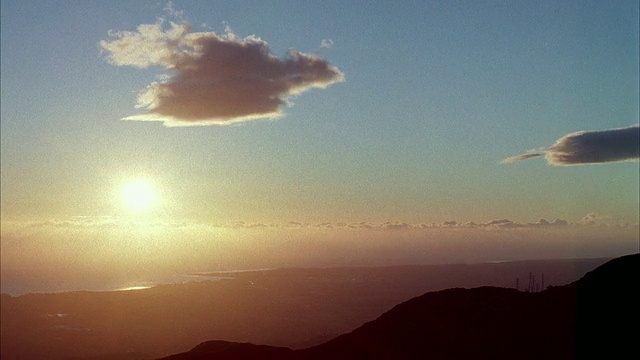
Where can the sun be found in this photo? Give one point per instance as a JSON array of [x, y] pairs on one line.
[[139, 195]]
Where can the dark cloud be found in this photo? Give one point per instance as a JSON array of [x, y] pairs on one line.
[[214, 79], [590, 147]]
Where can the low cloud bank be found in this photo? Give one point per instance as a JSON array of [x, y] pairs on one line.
[[591, 219], [109, 223]]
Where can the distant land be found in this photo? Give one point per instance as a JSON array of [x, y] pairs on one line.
[[595, 317], [288, 308]]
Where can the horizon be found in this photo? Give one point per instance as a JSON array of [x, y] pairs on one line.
[[213, 276]]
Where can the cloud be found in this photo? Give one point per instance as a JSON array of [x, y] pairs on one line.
[[546, 223], [171, 10], [592, 219], [326, 43], [213, 78], [396, 226], [590, 147], [103, 223], [520, 157], [495, 224], [107, 222], [244, 225]]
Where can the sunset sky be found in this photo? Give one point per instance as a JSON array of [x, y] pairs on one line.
[[315, 115]]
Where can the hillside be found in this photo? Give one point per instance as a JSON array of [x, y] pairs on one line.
[[595, 317], [295, 308]]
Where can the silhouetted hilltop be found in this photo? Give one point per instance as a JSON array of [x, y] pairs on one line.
[[594, 317], [225, 350], [608, 310], [488, 323], [616, 275]]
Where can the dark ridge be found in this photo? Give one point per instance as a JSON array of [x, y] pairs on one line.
[[225, 350], [608, 310], [614, 275], [594, 317], [486, 323]]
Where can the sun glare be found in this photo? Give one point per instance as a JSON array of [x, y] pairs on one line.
[[139, 195]]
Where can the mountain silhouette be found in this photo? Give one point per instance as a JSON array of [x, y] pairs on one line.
[[230, 350], [594, 317], [290, 307]]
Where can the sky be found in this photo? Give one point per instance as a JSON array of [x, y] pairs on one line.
[[254, 119]]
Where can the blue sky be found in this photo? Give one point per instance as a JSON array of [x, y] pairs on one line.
[[436, 95]]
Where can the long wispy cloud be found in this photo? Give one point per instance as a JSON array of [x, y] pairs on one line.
[[589, 147], [213, 78]]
